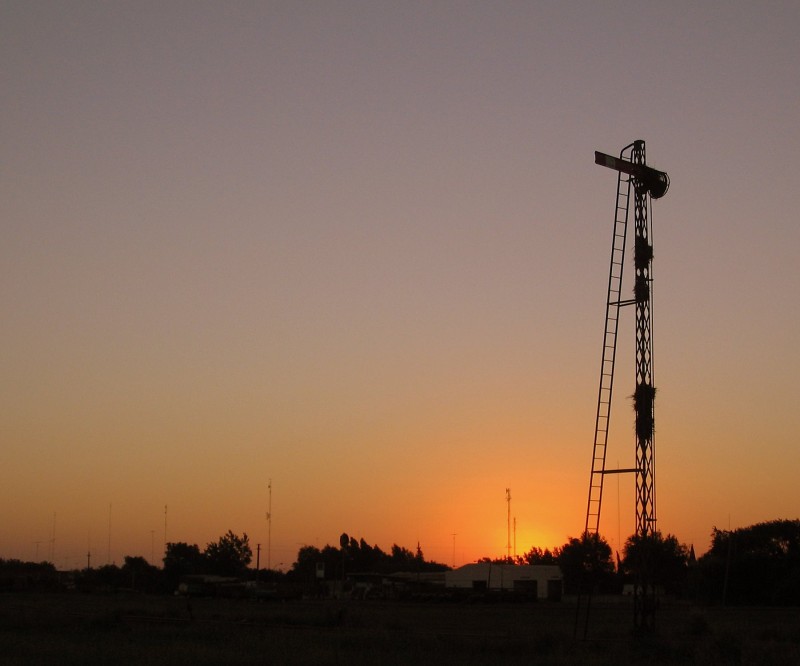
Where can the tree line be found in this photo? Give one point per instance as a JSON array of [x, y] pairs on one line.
[[228, 556], [759, 564], [356, 555]]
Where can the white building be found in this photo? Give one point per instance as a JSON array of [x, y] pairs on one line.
[[544, 581]]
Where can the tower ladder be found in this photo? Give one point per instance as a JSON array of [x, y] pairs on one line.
[[613, 304]]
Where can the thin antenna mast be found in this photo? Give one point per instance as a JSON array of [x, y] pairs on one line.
[[108, 555], [269, 528], [53, 541], [508, 526]]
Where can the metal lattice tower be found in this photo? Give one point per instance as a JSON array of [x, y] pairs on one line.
[[644, 398], [643, 183], [644, 394]]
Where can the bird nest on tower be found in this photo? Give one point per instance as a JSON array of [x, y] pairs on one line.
[[643, 399]]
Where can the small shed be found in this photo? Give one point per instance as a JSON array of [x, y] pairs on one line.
[[542, 581]]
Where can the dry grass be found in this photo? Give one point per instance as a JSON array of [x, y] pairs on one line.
[[80, 629]]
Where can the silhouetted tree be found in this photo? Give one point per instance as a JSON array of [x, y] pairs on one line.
[[585, 563], [363, 557], [666, 560], [499, 560], [229, 556], [402, 558], [538, 556], [306, 562], [759, 564], [360, 557], [15, 574], [139, 574], [182, 559], [107, 577], [304, 569]]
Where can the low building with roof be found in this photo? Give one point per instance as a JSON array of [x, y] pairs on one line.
[[539, 581]]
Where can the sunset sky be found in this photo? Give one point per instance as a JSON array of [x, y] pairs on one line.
[[361, 248]]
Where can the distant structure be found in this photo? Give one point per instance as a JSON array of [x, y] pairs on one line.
[[515, 537], [53, 541], [508, 525], [539, 581], [645, 183], [108, 553], [269, 527]]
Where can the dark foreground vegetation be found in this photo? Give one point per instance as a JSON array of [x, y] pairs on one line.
[[130, 628], [737, 604], [755, 565]]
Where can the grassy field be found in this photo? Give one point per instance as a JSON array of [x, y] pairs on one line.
[[132, 629]]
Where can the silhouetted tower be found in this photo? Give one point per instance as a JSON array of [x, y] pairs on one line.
[[508, 525], [645, 183], [269, 528]]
